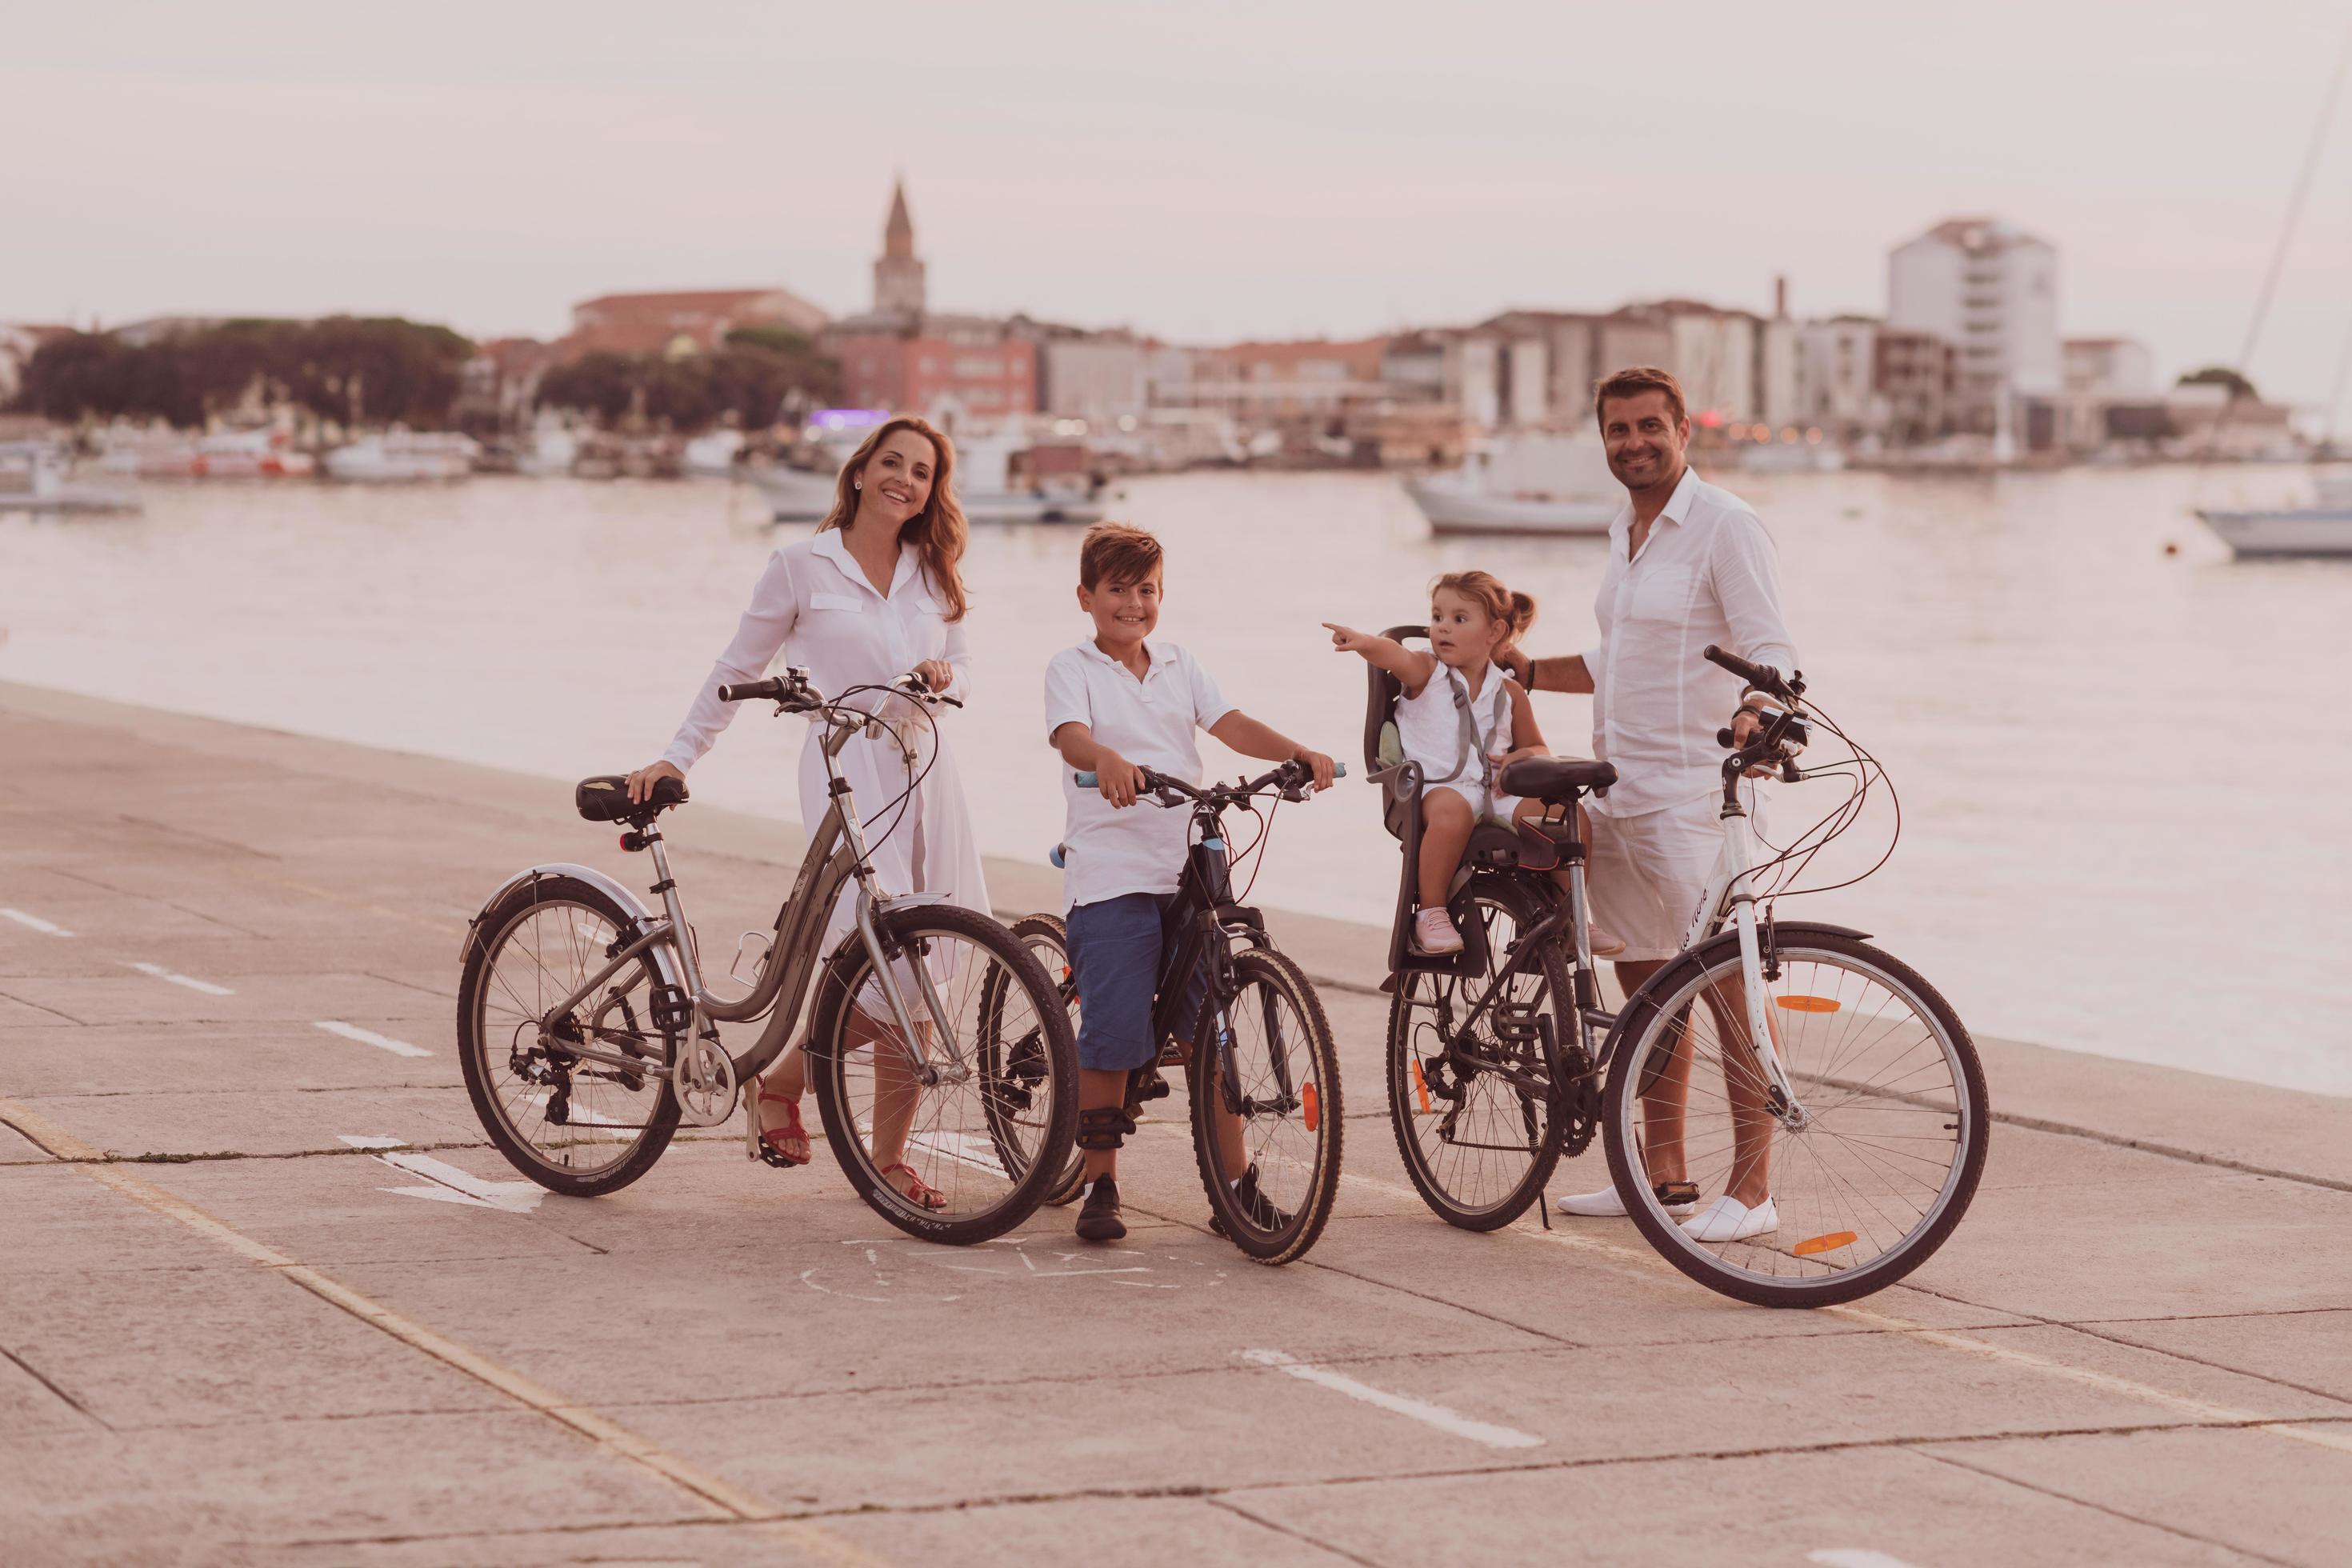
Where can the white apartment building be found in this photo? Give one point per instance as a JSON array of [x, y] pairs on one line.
[[1098, 378], [1713, 354], [1992, 289], [1838, 358]]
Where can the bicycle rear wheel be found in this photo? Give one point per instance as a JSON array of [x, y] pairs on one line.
[[1872, 1177], [1017, 1063], [984, 1172], [1474, 1117], [1265, 1075], [573, 1124]]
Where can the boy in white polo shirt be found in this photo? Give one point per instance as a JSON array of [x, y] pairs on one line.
[[1115, 705]]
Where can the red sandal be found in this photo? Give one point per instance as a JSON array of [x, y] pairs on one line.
[[917, 1191], [771, 1139]]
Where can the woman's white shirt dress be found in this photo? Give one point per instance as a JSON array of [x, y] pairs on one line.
[[815, 604]]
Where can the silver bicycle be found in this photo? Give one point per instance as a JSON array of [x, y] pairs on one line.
[[937, 1045]]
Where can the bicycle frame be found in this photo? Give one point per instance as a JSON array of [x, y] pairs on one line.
[[1730, 892], [1207, 914], [838, 852]]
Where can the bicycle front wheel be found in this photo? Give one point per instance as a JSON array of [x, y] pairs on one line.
[[1473, 1115], [1264, 1082], [931, 1135], [1868, 1173]]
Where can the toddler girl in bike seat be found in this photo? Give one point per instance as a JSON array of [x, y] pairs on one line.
[[1463, 719]]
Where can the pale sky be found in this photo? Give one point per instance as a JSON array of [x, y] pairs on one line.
[[1202, 172]]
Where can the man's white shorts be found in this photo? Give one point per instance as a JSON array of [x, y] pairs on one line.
[[1648, 873]]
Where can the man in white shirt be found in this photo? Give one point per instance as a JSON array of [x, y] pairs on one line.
[[1689, 565]]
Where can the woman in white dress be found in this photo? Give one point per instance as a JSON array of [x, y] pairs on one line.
[[873, 595]]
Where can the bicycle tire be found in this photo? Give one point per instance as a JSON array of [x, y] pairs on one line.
[[1049, 938], [1412, 1102], [830, 1059], [491, 934], [1636, 1047], [1269, 975]]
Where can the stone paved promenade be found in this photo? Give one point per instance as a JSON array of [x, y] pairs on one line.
[[227, 1335]]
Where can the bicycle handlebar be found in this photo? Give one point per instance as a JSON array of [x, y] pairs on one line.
[[1289, 775], [1762, 677]]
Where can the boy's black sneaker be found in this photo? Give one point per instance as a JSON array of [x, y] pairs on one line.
[[1099, 1217], [1262, 1213]]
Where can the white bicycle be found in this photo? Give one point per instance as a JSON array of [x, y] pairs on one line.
[[1793, 1055]]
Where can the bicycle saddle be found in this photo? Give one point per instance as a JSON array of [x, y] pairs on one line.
[[605, 798], [1556, 778]]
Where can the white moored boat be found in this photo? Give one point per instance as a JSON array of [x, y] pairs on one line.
[[2323, 529], [1545, 485], [403, 456], [34, 478]]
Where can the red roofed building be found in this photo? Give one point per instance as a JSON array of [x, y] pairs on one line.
[[694, 321]]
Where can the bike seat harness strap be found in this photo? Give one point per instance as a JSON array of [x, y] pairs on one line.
[[1470, 746]]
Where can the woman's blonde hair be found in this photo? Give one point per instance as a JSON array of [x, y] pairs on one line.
[[1516, 611], [938, 532]]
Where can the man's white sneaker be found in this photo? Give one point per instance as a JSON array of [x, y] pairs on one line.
[[1606, 1204], [1433, 932], [1729, 1219]]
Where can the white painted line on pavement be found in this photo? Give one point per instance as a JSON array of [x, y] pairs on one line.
[[370, 1037], [1854, 1557], [1429, 1414], [207, 986], [372, 1140], [457, 1186], [36, 922]]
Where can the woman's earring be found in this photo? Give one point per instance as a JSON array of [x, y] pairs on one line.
[[857, 484]]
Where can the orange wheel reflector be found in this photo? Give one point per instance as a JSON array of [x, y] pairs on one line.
[[1306, 1099], [1421, 1088], [1807, 1004], [1829, 1243]]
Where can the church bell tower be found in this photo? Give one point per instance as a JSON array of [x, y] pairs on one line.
[[899, 272]]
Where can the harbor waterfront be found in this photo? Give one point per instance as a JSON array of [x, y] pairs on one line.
[[2062, 703], [272, 1297]]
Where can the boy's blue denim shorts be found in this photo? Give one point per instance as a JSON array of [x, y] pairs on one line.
[[1116, 949]]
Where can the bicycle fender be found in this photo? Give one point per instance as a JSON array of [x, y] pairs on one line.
[[636, 910], [1821, 927]]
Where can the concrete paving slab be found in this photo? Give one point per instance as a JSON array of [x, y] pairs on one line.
[[2286, 1505], [17, 1014], [262, 1122], [397, 951], [2118, 1249], [208, 1347], [1770, 1510], [1012, 1535], [2308, 1350], [331, 1212], [16, 1149], [31, 1405], [140, 998], [218, 1495], [229, 1057]]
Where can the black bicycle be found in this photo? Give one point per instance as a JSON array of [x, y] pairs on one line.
[[1265, 1090], [1794, 1047]]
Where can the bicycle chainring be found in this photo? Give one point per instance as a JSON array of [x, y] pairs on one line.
[[1577, 1088]]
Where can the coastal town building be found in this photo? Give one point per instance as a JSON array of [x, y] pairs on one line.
[[901, 356], [1838, 373], [1917, 377], [2101, 374], [1992, 289], [683, 321]]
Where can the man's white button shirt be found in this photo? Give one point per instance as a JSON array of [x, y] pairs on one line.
[[1708, 572]]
